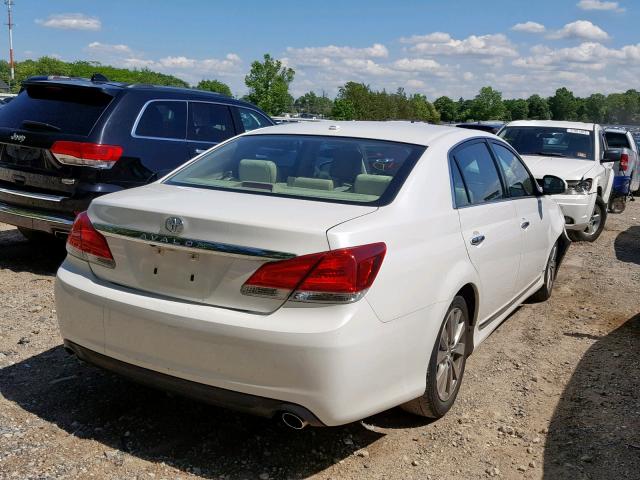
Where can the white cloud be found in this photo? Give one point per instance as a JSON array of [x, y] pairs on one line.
[[414, 83], [468, 76], [71, 21], [529, 27], [600, 5], [435, 37], [497, 45], [586, 56], [417, 65], [377, 50], [582, 30], [107, 48]]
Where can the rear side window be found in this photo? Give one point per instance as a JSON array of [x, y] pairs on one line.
[[163, 119], [344, 170], [459, 190], [617, 140], [73, 110], [252, 120], [209, 122], [479, 172], [519, 182]]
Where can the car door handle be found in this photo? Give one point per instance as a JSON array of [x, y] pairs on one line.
[[477, 240], [525, 224], [200, 150]]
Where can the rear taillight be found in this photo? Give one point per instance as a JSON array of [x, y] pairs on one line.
[[87, 243], [624, 162], [85, 154], [337, 276]]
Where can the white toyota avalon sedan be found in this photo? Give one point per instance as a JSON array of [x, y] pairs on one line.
[[317, 272]]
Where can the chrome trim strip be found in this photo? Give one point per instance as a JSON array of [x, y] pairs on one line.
[[35, 196], [190, 244], [500, 312], [21, 212]]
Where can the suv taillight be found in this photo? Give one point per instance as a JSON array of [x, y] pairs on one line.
[[624, 162], [337, 276], [86, 154], [87, 243]]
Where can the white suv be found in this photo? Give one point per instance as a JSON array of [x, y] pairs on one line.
[[575, 152], [318, 272]]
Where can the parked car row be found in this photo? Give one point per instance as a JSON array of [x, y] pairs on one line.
[[318, 272]]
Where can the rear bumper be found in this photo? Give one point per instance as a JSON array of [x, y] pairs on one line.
[[252, 404], [34, 219], [577, 209], [339, 362]]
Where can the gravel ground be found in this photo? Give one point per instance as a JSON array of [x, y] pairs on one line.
[[552, 394]]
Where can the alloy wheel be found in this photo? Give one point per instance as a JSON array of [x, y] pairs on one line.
[[594, 221], [451, 352], [551, 268]]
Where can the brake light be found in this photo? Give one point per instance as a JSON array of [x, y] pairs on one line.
[[87, 243], [337, 276], [624, 162], [86, 154]]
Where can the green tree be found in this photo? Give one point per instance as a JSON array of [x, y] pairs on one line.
[[421, 109], [268, 83], [488, 105], [314, 104], [215, 86], [563, 105], [538, 108], [595, 108], [623, 108], [517, 109], [343, 110], [463, 108], [447, 109]]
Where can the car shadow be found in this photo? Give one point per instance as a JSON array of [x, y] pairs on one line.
[[194, 437], [19, 255], [627, 245], [595, 429]]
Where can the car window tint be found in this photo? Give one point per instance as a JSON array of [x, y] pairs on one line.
[[209, 122], [163, 119], [252, 120], [479, 173], [617, 140], [519, 181], [459, 190]]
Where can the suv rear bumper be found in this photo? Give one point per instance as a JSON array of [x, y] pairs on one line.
[[34, 219]]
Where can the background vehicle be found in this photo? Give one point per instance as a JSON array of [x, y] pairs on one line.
[[577, 153], [65, 141], [490, 127], [286, 301], [627, 177]]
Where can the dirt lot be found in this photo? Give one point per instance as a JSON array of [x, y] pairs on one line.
[[554, 393]]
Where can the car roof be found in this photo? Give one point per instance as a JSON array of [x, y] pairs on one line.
[[417, 133], [112, 87], [551, 123]]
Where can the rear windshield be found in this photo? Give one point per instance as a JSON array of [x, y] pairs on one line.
[[617, 140], [72, 110], [343, 170], [550, 141]]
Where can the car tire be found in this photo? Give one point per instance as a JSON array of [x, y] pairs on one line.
[[596, 224], [448, 360], [550, 272]]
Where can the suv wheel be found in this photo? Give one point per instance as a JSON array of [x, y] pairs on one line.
[[596, 224], [446, 366]]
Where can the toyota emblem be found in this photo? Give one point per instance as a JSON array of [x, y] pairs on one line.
[[174, 224]]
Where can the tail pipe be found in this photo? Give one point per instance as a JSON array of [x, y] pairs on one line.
[[293, 421]]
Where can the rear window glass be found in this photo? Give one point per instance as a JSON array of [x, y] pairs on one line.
[[163, 119], [72, 110], [617, 140], [347, 170], [550, 141]]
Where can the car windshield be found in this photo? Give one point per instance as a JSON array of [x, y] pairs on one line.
[[551, 141], [342, 170]]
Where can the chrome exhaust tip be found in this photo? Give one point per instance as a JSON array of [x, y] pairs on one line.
[[292, 420]]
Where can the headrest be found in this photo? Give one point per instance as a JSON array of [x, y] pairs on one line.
[[371, 184], [263, 171], [314, 183], [347, 163]]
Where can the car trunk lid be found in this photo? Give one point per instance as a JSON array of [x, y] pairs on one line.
[[224, 238]]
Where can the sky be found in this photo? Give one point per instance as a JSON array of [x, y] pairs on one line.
[[434, 47]]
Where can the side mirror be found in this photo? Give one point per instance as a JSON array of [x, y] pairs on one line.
[[612, 155], [552, 185]]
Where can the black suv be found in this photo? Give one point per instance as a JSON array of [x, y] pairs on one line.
[[65, 141]]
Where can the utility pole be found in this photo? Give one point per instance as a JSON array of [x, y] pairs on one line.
[[9, 4]]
